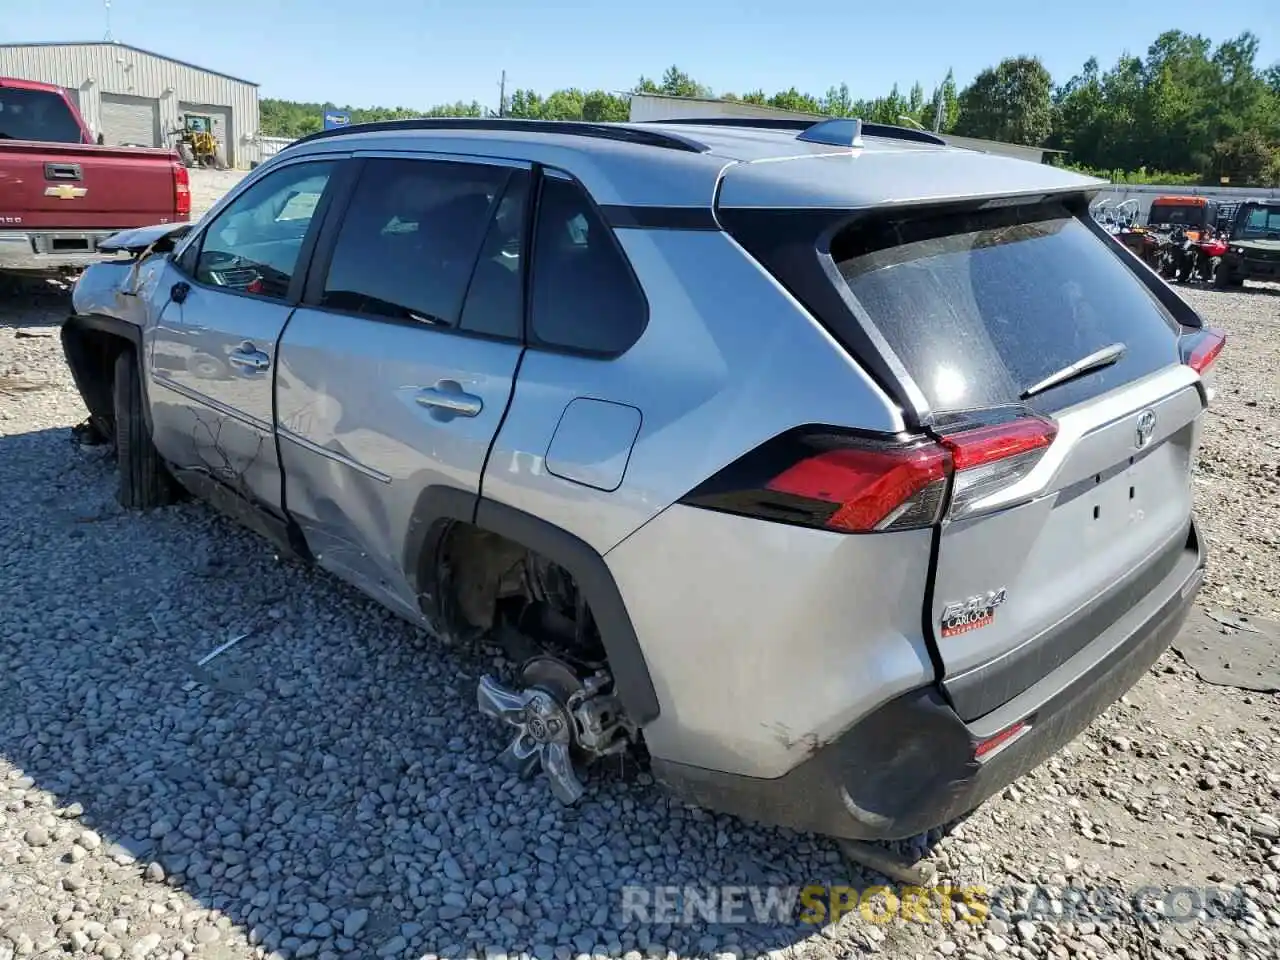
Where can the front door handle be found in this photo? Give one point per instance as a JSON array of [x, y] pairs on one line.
[[248, 357], [448, 399]]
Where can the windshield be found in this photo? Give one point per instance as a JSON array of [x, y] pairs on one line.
[[1258, 222], [980, 307], [1175, 213], [36, 115]]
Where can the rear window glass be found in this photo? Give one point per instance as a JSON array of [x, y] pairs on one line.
[[36, 115], [979, 307], [1169, 213]]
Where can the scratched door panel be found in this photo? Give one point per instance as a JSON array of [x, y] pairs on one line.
[[213, 347], [396, 372], [358, 446]]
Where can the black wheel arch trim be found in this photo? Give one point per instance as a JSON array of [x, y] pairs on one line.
[[437, 505], [115, 327]]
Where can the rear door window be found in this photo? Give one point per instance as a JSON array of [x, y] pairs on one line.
[[410, 239], [979, 307]]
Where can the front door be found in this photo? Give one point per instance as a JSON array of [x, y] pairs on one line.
[[213, 350], [396, 370]]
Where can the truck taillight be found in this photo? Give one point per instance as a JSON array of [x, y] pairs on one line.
[[855, 483], [181, 191]]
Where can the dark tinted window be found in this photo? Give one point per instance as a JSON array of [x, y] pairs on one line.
[[584, 294], [36, 115], [1259, 222], [410, 238], [980, 307], [253, 245], [495, 298]]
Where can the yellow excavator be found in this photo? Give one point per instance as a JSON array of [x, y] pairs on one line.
[[196, 144]]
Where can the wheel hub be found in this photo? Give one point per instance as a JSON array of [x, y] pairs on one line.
[[543, 727], [545, 720]]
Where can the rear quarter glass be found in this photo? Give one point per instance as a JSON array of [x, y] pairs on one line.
[[979, 306]]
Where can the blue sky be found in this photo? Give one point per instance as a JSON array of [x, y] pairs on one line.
[[417, 53]]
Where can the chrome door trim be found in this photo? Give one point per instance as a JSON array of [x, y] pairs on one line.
[[206, 401], [342, 458]]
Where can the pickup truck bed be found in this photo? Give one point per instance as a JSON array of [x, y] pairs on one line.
[[60, 199]]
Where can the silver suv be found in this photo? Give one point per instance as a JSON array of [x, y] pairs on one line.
[[840, 474]]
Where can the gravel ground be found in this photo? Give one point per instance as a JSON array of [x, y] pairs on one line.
[[326, 787]]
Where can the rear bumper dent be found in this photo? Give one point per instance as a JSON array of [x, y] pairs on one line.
[[910, 765]]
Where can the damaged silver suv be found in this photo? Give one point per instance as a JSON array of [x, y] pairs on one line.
[[841, 473]]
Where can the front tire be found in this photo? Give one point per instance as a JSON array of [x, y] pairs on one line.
[[144, 481]]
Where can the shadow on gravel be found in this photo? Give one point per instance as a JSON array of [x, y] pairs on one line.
[[1264, 290], [27, 302], [327, 783]]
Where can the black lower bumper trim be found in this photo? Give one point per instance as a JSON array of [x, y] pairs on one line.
[[910, 766]]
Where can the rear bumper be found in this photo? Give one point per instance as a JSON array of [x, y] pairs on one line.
[[910, 765], [51, 251]]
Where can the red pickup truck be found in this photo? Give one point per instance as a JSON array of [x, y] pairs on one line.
[[61, 193]]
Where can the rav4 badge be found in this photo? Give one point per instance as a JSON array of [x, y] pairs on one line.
[[972, 614]]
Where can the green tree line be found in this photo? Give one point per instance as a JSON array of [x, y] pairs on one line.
[[1188, 111]]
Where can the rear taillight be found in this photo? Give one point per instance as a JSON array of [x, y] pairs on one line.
[[865, 487], [990, 458], [181, 191], [1201, 349], [858, 484]]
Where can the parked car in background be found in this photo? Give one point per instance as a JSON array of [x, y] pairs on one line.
[[1252, 244], [62, 193], [843, 474]]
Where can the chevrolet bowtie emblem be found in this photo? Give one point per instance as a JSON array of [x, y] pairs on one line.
[[64, 191]]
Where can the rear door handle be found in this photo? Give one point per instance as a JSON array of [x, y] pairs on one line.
[[248, 357], [447, 398]]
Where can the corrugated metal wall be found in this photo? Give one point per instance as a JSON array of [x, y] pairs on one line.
[[1145, 194], [645, 108], [91, 69]]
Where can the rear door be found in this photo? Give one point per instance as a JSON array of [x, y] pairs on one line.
[[213, 348], [395, 373], [1072, 498]]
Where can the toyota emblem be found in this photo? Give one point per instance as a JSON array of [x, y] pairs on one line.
[[1146, 427]]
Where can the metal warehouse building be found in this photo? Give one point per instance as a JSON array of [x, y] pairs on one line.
[[133, 96]]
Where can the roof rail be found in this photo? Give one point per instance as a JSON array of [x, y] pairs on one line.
[[575, 128], [825, 128]]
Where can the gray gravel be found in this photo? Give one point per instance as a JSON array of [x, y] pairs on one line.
[[326, 788]]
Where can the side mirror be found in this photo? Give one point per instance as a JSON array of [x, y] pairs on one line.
[[178, 292], [101, 140]]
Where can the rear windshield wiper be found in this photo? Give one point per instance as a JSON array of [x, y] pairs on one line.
[[1094, 361]]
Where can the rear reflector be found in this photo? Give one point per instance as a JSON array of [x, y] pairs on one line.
[[1203, 348], [1005, 737]]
